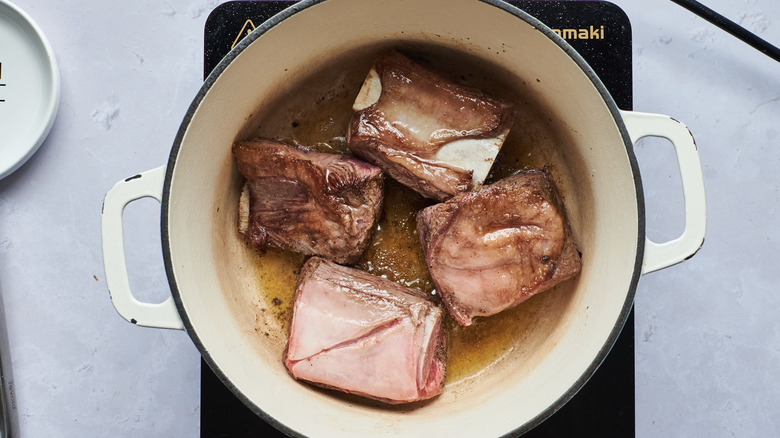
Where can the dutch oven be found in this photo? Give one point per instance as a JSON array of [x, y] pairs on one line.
[[319, 47]]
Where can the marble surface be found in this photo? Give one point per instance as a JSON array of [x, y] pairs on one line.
[[707, 334]]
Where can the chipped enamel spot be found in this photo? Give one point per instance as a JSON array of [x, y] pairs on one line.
[[475, 154], [369, 92]]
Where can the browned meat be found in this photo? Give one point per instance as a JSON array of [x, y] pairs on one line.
[[491, 249], [365, 335], [436, 136], [308, 202]]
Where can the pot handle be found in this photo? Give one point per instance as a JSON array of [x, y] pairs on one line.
[[661, 255], [148, 184]]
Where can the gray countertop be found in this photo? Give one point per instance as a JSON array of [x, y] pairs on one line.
[[707, 334]]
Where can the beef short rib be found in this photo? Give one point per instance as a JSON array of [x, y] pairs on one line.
[[428, 132], [365, 335], [308, 202], [492, 249]]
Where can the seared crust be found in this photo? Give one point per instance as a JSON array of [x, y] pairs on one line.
[[308, 202], [424, 129], [492, 249]]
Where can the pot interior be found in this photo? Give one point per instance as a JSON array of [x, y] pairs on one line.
[[295, 80]]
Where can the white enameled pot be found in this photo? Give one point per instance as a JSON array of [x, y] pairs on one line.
[[211, 273]]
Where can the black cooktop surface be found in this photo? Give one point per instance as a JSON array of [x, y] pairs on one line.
[[601, 33]]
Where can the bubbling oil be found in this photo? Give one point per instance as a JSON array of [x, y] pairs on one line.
[[394, 251]]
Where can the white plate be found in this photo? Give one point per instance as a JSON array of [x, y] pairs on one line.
[[29, 87]]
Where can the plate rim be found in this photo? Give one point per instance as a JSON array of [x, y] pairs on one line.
[[22, 152]]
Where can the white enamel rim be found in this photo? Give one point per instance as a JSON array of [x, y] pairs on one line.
[[650, 256]]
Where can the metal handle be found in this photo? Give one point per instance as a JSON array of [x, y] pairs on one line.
[[9, 425], [661, 255], [148, 184]]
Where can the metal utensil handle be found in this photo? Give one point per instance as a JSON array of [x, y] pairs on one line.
[[731, 27], [148, 184], [9, 425], [661, 255]]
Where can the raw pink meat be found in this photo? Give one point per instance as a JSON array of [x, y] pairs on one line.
[[363, 334]]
